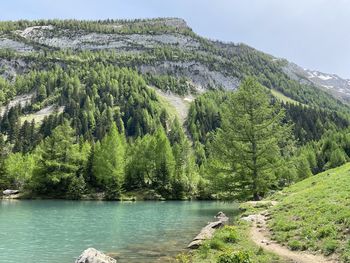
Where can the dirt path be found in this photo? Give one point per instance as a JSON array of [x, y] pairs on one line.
[[261, 236]]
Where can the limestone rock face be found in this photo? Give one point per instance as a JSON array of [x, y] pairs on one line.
[[92, 255]]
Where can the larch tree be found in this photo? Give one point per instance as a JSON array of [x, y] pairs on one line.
[[247, 149], [109, 162]]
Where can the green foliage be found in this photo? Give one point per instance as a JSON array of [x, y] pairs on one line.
[[242, 249], [58, 162], [98, 89], [295, 245], [228, 234], [76, 188], [19, 168], [109, 162], [217, 244], [237, 257], [247, 148]]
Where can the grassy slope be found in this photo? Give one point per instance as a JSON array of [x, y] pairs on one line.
[[315, 214], [283, 98]]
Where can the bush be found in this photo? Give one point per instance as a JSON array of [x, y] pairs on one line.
[[236, 257], [217, 244], [228, 234], [204, 250], [183, 258]]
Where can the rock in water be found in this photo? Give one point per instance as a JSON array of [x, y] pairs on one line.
[[92, 255], [208, 231], [222, 217], [10, 192]]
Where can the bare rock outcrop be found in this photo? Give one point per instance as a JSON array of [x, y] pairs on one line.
[[92, 255], [208, 231]]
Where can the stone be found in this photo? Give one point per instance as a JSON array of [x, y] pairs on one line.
[[10, 192], [222, 217], [92, 255], [208, 231], [195, 244]]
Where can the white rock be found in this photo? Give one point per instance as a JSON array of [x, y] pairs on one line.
[[92, 255], [10, 192]]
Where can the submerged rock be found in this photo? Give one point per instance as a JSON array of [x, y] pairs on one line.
[[10, 192], [92, 255]]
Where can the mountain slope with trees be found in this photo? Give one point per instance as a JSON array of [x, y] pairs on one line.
[[109, 133]]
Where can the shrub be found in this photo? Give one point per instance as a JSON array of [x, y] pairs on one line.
[[230, 234], [236, 257], [183, 258], [204, 249], [217, 244]]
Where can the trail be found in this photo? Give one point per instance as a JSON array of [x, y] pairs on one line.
[[261, 236]]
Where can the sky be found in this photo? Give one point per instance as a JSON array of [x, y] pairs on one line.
[[315, 34]]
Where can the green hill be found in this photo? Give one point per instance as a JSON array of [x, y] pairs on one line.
[[314, 214]]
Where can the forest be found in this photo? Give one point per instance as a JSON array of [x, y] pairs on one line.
[[116, 137], [110, 134]]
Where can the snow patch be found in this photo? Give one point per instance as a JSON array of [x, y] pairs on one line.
[[325, 77], [328, 86]]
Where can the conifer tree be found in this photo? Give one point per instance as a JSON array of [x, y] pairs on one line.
[[109, 162], [247, 148]]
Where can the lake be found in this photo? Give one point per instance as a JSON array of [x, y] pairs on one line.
[[53, 231]]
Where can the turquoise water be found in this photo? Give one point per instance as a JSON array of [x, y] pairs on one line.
[[58, 231]]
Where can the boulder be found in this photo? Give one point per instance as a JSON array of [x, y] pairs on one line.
[[208, 231], [222, 217], [10, 192], [92, 255]]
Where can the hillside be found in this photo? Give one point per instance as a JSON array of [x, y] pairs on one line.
[[314, 214], [157, 47], [154, 94]]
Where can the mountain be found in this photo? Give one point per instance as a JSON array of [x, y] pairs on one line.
[[151, 91], [331, 83], [157, 47]]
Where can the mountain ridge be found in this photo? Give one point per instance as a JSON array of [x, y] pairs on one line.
[[159, 46]]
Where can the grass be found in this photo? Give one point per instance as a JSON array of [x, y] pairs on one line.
[[37, 118], [281, 97], [227, 243], [314, 214]]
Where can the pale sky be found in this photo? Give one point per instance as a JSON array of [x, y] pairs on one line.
[[312, 33]]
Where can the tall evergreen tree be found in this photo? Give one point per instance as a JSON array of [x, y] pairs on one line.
[[109, 162], [247, 147], [58, 162]]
